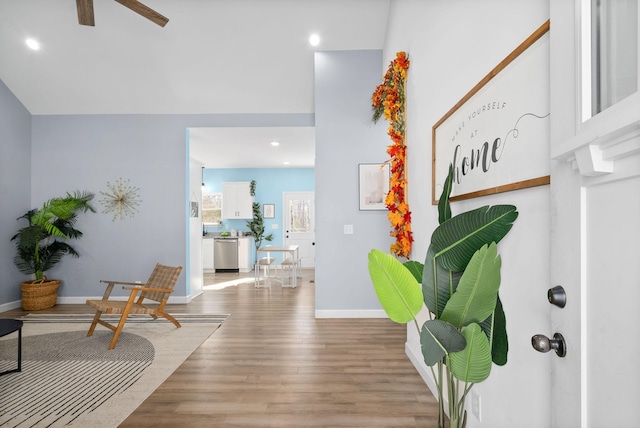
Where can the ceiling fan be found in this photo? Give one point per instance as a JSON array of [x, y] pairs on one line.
[[85, 12]]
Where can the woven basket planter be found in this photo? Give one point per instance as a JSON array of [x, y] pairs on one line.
[[39, 296]]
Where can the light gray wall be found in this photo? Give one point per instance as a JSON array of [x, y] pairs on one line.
[[85, 152], [15, 186], [452, 46], [345, 137]]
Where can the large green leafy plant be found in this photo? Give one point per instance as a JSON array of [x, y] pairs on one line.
[[466, 330], [42, 243], [257, 229]]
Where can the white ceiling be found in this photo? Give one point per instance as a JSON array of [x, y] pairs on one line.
[[251, 147], [214, 56]]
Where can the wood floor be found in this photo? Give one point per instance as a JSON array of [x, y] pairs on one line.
[[272, 364]]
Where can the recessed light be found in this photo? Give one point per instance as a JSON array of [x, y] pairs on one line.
[[286, 162], [33, 44], [275, 143], [314, 40]]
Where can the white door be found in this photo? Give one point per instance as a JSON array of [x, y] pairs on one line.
[[595, 256], [299, 224]]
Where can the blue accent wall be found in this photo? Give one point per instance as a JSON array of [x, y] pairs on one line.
[[270, 184]]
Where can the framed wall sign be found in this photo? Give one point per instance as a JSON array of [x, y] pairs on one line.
[[269, 211], [497, 136], [373, 185]]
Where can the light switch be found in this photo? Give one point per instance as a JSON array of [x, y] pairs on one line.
[[348, 229], [274, 226]]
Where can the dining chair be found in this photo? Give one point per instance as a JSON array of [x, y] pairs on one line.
[[264, 264]]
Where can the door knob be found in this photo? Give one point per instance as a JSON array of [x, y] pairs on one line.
[[542, 343]]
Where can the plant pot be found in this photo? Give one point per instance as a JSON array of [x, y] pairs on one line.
[[39, 295]]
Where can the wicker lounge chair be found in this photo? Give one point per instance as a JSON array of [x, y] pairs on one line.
[[158, 288]]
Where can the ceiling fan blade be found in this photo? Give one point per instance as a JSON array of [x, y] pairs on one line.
[[85, 12], [145, 11]]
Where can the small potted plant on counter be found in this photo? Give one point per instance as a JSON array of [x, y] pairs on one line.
[[41, 244]]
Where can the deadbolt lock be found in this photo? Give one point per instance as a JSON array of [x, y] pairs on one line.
[[557, 296]]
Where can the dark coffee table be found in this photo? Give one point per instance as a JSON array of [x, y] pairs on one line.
[[7, 327]]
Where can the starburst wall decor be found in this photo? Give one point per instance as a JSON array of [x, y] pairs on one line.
[[121, 199]]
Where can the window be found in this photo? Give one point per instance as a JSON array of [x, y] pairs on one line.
[[614, 52], [212, 208], [299, 216]]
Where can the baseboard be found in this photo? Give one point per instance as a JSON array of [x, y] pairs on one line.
[[351, 313], [189, 298], [11, 305], [82, 300], [178, 300]]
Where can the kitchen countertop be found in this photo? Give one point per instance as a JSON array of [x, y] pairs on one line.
[[216, 235]]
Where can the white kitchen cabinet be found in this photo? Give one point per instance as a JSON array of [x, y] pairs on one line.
[[245, 254], [237, 202], [207, 254]]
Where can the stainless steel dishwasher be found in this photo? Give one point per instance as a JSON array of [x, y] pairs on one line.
[[225, 254]]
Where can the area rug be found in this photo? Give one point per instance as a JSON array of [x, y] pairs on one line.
[[69, 379]]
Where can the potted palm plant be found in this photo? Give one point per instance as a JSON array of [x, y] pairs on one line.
[[256, 228], [458, 284], [42, 243]]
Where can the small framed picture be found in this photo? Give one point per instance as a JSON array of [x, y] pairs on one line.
[[194, 209], [269, 211], [373, 180]]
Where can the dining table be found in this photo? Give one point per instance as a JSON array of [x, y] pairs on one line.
[[293, 260]]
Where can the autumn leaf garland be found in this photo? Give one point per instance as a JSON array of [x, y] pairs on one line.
[[388, 100]]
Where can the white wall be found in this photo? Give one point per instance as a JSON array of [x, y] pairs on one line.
[[195, 272], [452, 45]]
